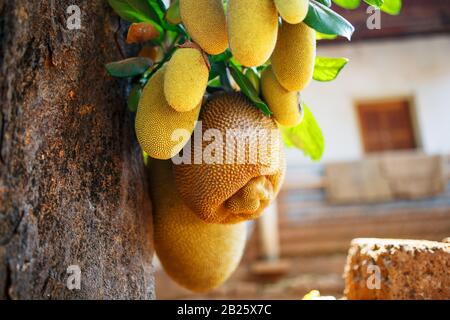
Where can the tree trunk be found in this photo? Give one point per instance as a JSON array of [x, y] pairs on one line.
[[72, 183]]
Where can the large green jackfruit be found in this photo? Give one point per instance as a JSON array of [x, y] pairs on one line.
[[197, 255]]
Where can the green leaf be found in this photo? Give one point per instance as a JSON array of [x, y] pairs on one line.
[[307, 136], [374, 3], [348, 4], [225, 56], [215, 82], [323, 19], [158, 11], [173, 15], [219, 70], [392, 7], [132, 10], [263, 67], [253, 77], [248, 89], [323, 36], [146, 158], [160, 3], [134, 97], [325, 2], [136, 11], [129, 67], [159, 8], [327, 69], [236, 63]]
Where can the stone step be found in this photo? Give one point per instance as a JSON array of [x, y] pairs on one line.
[[397, 269]]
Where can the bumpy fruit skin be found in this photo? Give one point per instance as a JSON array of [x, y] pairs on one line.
[[206, 23], [197, 255], [284, 104], [241, 181], [292, 11], [157, 121], [294, 56], [252, 30], [185, 79]]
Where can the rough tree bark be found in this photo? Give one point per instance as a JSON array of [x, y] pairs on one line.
[[72, 187]]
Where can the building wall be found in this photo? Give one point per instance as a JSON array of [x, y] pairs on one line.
[[413, 68]]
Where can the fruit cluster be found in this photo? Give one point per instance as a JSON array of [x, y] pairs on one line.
[[199, 208], [197, 54], [254, 34]]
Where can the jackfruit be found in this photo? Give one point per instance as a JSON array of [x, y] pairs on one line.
[[252, 30], [283, 104], [186, 79], [294, 56], [292, 11], [197, 255], [161, 131], [206, 23], [243, 163]]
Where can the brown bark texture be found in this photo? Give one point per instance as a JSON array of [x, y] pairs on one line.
[[72, 183]]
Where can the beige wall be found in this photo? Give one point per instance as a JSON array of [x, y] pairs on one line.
[[416, 68]]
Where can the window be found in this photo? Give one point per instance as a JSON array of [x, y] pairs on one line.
[[386, 125]]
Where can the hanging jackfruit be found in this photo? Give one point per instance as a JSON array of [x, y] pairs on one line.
[[294, 56], [252, 30], [197, 255], [206, 23], [243, 165], [161, 131], [292, 11], [284, 104], [186, 79]]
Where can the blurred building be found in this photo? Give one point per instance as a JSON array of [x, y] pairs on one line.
[[386, 167]]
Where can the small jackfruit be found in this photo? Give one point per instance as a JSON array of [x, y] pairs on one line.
[[294, 56], [247, 164], [206, 23], [292, 11], [197, 255], [284, 104], [185, 79], [252, 30], [157, 123]]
